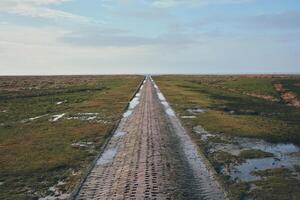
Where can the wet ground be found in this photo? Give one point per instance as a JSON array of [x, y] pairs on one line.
[[150, 156], [283, 155]]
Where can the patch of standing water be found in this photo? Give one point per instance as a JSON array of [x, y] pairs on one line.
[[60, 102], [201, 131], [83, 144], [119, 134], [33, 118], [57, 117], [285, 155], [56, 192], [196, 110], [163, 101], [84, 116], [188, 117], [134, 102], [107, 156]]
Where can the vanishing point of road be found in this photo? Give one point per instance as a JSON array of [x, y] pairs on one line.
[[150, 156]]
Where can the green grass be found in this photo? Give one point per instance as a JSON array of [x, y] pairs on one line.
[[292, 85], [36, 155], [254, 153], [252, 117], [277, 184]]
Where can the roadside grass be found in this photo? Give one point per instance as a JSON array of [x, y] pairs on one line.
[[36, 155], [278, 184], [233, 112], [292, 85], [257, 85]]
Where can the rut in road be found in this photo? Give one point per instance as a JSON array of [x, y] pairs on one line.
[[150, 156]]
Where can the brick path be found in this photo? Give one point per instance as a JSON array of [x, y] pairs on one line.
[[145, 159]]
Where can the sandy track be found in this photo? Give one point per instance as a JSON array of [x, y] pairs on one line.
[[150, 157]]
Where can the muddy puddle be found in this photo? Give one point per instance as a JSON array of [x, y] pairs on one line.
[[285, 155]]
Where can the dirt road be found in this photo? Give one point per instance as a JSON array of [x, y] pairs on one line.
[[150, 156]]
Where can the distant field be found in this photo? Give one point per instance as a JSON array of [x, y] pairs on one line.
[[244, 106], [260, 109], [51, 128]]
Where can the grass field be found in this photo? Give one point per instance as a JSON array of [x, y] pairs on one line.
[[231, 110], [241, 107], [51, 128]]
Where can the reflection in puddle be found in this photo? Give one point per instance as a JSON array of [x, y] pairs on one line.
[[285, 155]]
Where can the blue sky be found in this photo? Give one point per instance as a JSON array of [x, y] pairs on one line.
[[149, 36]]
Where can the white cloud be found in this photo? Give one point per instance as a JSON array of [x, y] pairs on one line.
[[38, 8]]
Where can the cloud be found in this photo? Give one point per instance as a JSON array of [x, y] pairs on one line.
[[172, 3], [280, 21], [119, 38], [38, 8]]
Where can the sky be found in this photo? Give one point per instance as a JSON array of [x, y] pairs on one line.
[[45, 37]]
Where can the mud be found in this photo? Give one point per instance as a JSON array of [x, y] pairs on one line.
[[150, 156], [287, 96], [56, 193]]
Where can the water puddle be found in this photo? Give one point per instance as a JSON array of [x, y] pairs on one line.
[[188, 117], [83, 144], [84, 116], [33, 118], [119, 134], [61, 102], [284, 155], [134, 102], [169, 111], [196, 110], [55, 118], [56, 192], [202, 132], [107, 156]]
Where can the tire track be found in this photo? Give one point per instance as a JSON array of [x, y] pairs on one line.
[[146, 159]]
